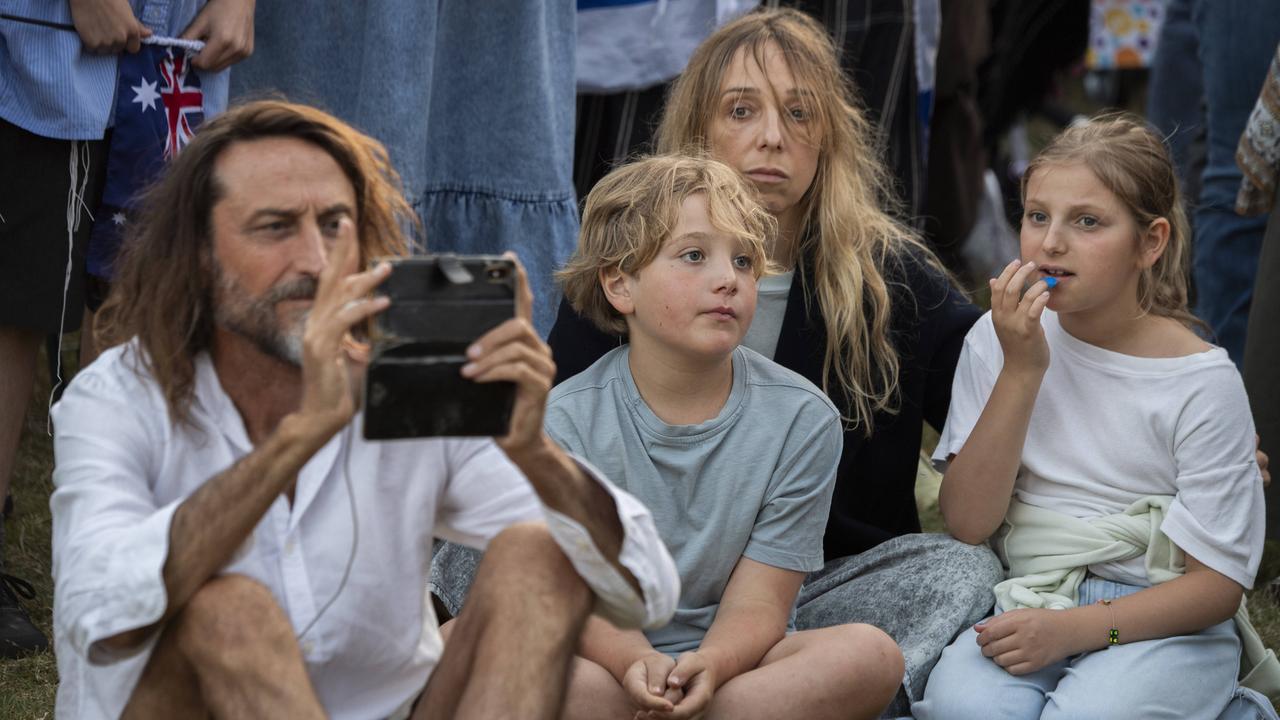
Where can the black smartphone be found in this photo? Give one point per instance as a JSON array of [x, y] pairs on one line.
[[440, 305]]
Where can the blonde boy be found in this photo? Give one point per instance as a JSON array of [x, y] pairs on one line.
[[734, 455]]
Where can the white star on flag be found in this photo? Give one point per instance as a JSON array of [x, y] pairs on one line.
[[146, 95], [118, 218]]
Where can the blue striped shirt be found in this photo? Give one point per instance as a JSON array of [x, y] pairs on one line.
[[51, 87]]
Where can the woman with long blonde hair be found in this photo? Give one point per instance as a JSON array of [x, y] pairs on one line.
[[860, 307]]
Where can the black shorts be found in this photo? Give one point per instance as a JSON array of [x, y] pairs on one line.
[[41, 278]]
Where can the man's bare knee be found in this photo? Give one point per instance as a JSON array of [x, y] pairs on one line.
[[230, 613], [525, 557], [527, 541]]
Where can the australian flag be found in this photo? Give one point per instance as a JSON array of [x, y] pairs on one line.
[[159, 105]]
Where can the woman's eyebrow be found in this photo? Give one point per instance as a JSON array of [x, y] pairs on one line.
[[1073, 208]]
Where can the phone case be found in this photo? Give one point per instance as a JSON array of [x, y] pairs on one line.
[[440, 304]]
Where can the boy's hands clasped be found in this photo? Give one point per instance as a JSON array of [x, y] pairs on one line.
[[666, 689], [1016, 314]]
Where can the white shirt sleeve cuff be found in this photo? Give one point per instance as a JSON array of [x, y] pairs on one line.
[[642, 553], [132, 597]]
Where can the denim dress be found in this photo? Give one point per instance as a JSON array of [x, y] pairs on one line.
[[474, 101]]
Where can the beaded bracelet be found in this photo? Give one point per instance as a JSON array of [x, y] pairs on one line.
[[1113, 635]]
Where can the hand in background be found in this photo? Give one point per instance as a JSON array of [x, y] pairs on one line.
[[107, 27], [226, 27]]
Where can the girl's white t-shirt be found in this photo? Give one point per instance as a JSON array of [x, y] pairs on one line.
[[1108, 429]]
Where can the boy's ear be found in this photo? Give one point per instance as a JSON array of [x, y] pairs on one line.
[[1153, 242], [617, 289]]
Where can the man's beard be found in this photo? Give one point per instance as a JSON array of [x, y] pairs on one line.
[[255, 318]]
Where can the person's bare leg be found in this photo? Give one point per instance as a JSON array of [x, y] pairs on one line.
[[230, 652], [594, 694], [841, 672], [19, 348], [508, 652]]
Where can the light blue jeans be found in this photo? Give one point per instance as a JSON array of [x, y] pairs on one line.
[[1188, 677]]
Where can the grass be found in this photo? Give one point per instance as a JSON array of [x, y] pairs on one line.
[[28, 685]]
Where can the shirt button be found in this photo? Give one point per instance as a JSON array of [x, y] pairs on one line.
[[308, 647], [289, 547]]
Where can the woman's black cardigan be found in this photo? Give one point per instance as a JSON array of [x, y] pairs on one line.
[[875, 489]]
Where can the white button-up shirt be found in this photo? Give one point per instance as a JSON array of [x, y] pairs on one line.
[[123, 468]]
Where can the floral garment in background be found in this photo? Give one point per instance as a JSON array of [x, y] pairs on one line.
[[1122, 33]]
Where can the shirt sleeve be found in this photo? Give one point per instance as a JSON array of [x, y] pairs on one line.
[[975, 376], [1218, 514], [110, 536], [789, 527], [487, 492]]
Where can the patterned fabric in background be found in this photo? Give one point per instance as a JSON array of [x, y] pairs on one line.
[[1259, 152], [1122, 33]]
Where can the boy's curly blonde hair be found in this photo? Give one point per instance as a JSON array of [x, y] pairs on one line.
[[633, 210]]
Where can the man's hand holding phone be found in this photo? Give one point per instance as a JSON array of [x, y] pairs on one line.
[[333, 363], [514, 352]]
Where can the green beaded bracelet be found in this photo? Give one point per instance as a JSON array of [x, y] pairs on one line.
[[1113, 635]]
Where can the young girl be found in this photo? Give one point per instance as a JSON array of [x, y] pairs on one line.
[[1117, 448]]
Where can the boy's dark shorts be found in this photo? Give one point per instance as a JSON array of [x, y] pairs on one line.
[[35, 180]]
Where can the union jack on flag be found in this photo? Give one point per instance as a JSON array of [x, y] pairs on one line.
[[159, 106], [183, 101]]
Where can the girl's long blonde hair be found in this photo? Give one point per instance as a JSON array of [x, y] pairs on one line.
[[847, 228], [1130, 160]]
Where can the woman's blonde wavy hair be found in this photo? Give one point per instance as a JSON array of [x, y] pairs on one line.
[[164, 286], [848, 231], [1129, 159], [632, 211]]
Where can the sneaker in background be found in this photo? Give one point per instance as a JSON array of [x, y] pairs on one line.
[[18, 636]]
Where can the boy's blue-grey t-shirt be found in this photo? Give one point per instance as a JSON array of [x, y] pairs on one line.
[[754, 481]]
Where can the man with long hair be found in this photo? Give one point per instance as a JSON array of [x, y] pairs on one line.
[[225, 544]]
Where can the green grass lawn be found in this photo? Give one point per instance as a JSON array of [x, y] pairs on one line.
[[28, 686]]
